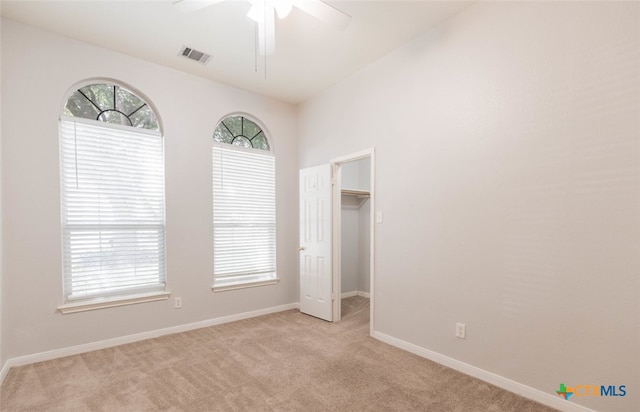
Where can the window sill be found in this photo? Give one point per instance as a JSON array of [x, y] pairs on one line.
[[102, 303], [245, 285]]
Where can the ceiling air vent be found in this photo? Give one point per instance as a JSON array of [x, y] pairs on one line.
[[196, 55]]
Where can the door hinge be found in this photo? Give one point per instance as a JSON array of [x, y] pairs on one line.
[[333, 181], [333, 297]]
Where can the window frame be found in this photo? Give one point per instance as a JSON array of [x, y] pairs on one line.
[[272, 277], [123, 295]]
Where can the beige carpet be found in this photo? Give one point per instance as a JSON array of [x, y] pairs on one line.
[[281, 362]]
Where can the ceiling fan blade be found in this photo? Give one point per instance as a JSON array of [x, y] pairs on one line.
[[324, 12], [187, 6]]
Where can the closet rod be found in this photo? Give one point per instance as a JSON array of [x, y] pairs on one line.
[[360, 194]]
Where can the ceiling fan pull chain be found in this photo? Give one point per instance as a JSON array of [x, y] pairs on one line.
[[264, 27], [255, 49]]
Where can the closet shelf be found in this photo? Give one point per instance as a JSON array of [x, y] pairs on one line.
[[360, 195]]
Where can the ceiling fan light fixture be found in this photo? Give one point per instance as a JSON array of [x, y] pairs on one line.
[[256, 12], [258, 7], [283, 7], [263, 13]]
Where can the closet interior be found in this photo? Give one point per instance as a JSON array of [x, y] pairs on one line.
[[355, 227]]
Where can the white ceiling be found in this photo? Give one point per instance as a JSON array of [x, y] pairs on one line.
[[310, 55]]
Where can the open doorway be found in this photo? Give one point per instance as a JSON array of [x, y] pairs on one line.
[[321, 226], [353, 234]]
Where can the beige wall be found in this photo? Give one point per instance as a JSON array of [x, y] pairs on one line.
[[507, 169], [38, 69], [2, 312], [364, 232]]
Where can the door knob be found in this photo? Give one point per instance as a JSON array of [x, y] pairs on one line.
[[301, 248]]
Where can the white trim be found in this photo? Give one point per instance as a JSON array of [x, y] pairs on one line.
[[336, 163], [372, 241], [363, 154], [336, 239], [364, 294], [245, 285], [108, 343], [4, 371], [490, 377], [110, 302]]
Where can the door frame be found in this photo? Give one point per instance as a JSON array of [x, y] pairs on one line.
[[336, 164]]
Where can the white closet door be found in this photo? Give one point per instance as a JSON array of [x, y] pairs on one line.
[[315, 242]]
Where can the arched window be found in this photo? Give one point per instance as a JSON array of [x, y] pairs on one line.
[[240, 131], [110, 103], [112, 190], [244, 205]]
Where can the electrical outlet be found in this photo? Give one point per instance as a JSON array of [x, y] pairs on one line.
[[177, 303], [378, 217], [461, 331]]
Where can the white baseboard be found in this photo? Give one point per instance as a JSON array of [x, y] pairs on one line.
[[108, 343], [4, 371], [355, 293], [497, 380]]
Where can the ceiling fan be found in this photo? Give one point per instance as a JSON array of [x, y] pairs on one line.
[[264, 12]]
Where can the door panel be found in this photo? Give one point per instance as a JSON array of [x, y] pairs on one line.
[[315, 242]]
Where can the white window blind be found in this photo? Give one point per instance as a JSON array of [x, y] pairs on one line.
[[244, 217], [112, 180]]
